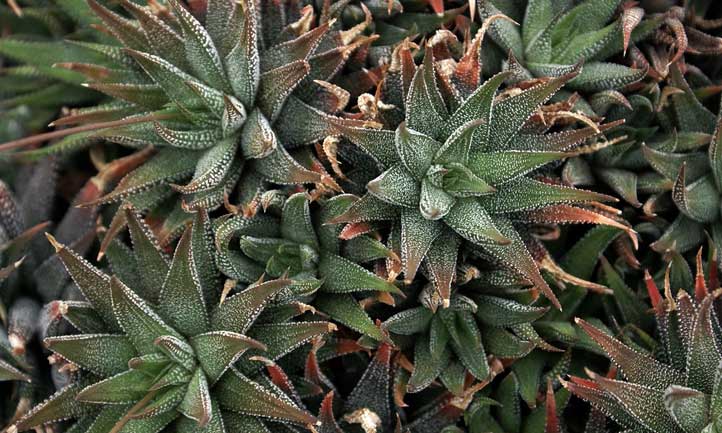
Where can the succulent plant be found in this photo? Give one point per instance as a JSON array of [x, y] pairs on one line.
[[536, 342], [456, 167], [674, 387], [479, 321], [299, 246], [667, 126], [164, 351], [642, 169], [211, 93], [688, 171], [555, 36], [273, 257], [684, 30], [373, 399]]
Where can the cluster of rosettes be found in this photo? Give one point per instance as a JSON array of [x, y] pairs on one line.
[[273, 257]]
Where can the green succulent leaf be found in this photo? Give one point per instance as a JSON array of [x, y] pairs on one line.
[[237, 313], [239, 394], [102, 354], [344, 309], [181, 299], [140, 323], [343, 276]]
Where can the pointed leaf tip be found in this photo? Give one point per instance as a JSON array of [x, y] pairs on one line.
[[54, 242]]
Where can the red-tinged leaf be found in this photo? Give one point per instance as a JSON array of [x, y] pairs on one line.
[[372, 392], [565, 214], [279, 378], [468, 69], [643, 403], [631, 17], [680, 36], [652, 290], [437, 6], [516, 257], [552, 421], [700, 286], [296, 49], [353, 230], [589, 391], [326, 417], [636, 367], [403, 64]]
